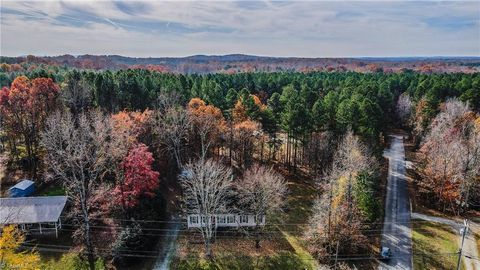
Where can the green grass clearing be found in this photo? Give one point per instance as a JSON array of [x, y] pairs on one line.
[[53, 191], [434, 246], [70, 261], [302, 253]]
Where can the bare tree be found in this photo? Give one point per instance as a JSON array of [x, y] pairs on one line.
[[207, 188], [167, 100], [76, 153], [352, 155], [172, 127], [319, 151], [345, 231], [449, 154], [336, 218], [404, 108], [262, 192], [469, 153]]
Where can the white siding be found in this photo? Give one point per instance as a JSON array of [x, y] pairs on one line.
[[224, 220]]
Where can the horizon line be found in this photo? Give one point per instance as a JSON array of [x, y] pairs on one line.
[[254, 55]]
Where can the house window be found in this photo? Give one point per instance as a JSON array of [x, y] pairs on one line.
[[204, 220], [258, 219], [243, 219], [194, 219], [221, 219], [230, 219]]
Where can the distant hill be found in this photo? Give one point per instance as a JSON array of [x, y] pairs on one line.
[[233, 63]]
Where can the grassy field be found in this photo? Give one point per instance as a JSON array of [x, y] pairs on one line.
[[434, 246]]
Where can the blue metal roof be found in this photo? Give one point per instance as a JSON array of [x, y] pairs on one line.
[[24, 184]]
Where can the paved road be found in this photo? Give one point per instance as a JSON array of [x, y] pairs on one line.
[[397, 234], [469, 246]]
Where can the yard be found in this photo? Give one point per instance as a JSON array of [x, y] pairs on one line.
[[435, 246], [282, 248]]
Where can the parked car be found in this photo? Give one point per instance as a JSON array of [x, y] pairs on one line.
[[385, 253]]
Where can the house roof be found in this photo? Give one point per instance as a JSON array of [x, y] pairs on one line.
[[25, 210], [24, 184]]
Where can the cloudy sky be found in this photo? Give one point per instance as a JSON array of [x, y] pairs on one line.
[[272, 28]]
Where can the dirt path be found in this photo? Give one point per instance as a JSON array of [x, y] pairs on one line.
[[168, 251], [470, 249]]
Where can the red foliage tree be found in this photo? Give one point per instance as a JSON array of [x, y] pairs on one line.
[[140, 179]]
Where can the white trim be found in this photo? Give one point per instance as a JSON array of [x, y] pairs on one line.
[[224, 220]]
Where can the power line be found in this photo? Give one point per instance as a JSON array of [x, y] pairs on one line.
[[340, 258], [164, 232]]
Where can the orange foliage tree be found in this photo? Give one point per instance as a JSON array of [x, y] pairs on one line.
[[24, 108], [208, 124], [247, 107], [128, 127]]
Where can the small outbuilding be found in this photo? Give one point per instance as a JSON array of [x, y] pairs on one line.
[[33, 214], [23, 188]]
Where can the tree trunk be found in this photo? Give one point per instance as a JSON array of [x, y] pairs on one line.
[[261, 151], [295, 156], [257, 240], [349, 197], [88, 240], [330, 210], [231, 143]]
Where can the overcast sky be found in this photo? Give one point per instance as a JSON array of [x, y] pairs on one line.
[[271, 28]]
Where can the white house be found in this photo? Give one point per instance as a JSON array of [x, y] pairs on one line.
[[224, 220]]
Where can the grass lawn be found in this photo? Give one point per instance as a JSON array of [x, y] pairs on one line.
[[52, 190], [299, 203], [69, 261], [307, 259], [431, 239]]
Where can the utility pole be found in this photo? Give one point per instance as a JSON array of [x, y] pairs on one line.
[[336, 255], [464, 232]]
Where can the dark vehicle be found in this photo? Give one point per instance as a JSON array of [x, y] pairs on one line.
[[385, 253]]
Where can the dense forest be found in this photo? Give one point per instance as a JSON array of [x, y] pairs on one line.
[[235, 63], [136, 133]]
